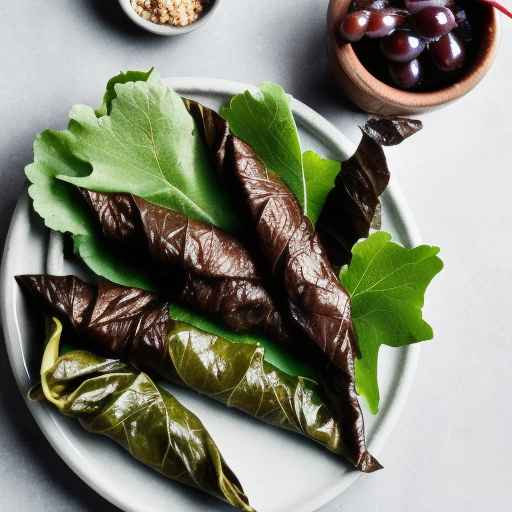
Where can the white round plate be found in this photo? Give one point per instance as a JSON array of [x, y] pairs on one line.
[[280, 471]]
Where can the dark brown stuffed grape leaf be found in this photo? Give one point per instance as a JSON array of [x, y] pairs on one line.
[[316, 301], [351, 206], [195, 263], [134, 325]]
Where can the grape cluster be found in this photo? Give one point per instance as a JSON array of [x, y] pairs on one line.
[[412, 34]]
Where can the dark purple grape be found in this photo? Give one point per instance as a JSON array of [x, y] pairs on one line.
[[401, 46], [434, 22], [385, 21], [448, 53], [353, 26], [405, 75], [414, 6]]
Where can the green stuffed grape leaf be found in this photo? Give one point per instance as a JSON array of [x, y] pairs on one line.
[[264, 120], [111, 399], [149, 146], [387, 284], [274, 354]]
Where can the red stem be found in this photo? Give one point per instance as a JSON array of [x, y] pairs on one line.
[[498, 6]]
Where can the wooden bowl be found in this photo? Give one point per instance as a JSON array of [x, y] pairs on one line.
[[376, 97]]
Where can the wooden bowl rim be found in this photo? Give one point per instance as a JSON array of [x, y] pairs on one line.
[[351, 65]]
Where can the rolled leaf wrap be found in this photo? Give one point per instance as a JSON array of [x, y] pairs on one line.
[[198, 264], [134, 325], [351, 205], [110, 398], [315, 299]]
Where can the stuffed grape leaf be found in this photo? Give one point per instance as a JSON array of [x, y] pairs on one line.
[[198, 264], [316, 301], [351, 205], [111, 399], [135, 326]]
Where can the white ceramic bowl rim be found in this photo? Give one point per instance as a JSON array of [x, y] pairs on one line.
[[388, 416]]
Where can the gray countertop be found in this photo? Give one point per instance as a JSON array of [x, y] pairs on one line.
[[451, 449]]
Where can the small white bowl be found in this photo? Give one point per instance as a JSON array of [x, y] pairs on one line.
[[167, 30]]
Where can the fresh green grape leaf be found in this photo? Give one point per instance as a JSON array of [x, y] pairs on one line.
[[274, 354], [320, 174], [55, 201], [387, 283], [264, 120], [149, 146]]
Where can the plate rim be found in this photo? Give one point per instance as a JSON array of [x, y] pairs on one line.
[[389, 417]]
